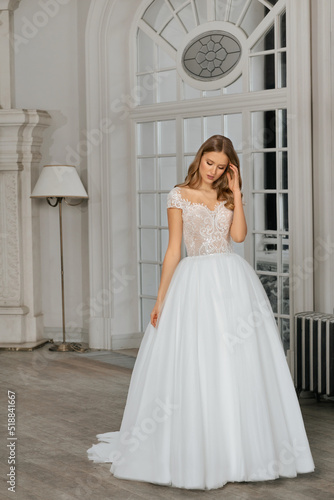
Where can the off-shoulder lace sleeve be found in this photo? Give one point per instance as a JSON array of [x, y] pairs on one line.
[[174, 199]]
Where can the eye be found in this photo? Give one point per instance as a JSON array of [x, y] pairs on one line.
[[208, 163]]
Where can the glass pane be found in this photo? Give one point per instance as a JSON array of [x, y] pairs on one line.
[[192, 134], [282, 128], [191, 93], [264, 168], [220, 10], [264, 129], [173, 33], [265, 217], [176, 4], [146, 309], [211, 93], [255, 13], [187, 162], [164, 236], [166, 86], [212, 126], [146, 91], [145, 47], [241, 168], [167, 172], [201, 11], [187, 17], [235, 11], [284, 214], [235, 87], [149, 279], [148, 244], [285, 295], [166, 137], [285, 333], [283, 162], [157, 14], [147, 174], [164, 60], [146, 138], [265, 252], [266, 42], [283, 30], [148, 209], [163, 208], [233, 129], [285, 253], [270, 285], [262, 72], [282, 69]]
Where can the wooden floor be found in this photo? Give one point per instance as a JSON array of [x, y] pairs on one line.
[[64, 399]]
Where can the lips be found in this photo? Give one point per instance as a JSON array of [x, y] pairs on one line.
[[210, 177]]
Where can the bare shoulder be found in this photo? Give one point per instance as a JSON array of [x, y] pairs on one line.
[[188, 190]]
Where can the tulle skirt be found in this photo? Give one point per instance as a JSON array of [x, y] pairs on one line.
[[211, 399]]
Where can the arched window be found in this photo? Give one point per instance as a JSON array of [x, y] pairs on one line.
[[207, 67]]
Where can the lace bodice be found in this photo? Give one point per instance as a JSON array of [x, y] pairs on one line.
[[205, 231]]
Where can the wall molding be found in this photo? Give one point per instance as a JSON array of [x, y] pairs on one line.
[[110, 181], [300, 153], [323, 136]]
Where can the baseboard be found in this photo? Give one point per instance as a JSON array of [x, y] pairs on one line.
[[118, 341], [126, 340]]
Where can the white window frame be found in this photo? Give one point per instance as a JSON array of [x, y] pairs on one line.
[[100, 95]]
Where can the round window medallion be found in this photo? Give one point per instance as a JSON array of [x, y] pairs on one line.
[[211, 55]]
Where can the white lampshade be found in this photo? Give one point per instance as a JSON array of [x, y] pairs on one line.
[[59, 181]]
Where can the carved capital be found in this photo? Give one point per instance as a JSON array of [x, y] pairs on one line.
[[21, 132]]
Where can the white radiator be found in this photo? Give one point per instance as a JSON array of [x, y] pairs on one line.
[[314, 353]]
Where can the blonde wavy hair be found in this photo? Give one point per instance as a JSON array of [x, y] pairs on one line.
[[218, 144]]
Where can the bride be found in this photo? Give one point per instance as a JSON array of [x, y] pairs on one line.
[[211, 399]]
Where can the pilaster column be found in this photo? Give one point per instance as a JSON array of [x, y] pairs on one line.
[[7, 53], [21, 318], [21, 321]]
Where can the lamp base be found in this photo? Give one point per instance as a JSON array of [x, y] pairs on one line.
[[68, 346], [64, 346]]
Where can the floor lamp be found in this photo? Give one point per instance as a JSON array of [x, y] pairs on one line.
[[60, 182]]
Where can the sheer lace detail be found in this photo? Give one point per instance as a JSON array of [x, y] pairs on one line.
[[205, 231]]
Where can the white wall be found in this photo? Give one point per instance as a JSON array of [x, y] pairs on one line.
[[50, 75]]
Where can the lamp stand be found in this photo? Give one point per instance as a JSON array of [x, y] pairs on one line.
[[64, 346]]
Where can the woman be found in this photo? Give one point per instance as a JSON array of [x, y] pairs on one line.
[[211, 399]]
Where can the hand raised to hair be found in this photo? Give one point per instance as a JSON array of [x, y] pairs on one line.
[[233, 182]]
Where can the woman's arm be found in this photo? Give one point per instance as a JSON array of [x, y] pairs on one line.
[[238, 228], [171, 260], [173, 252]]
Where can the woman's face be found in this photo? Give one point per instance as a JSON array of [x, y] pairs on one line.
[[212, 166]]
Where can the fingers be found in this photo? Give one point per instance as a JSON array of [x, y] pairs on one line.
[[153, 319]]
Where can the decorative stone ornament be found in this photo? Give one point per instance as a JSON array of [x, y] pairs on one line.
[[212, 55]]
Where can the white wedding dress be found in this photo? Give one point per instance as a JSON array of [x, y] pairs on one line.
[[211, 399]]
